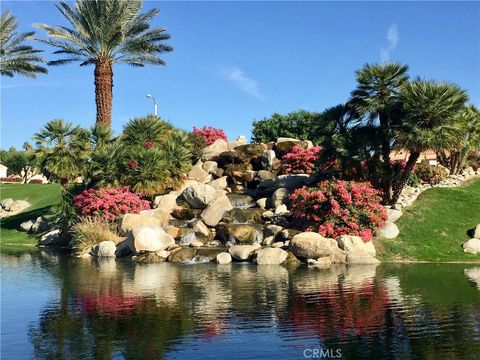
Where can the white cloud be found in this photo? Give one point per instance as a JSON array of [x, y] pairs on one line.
[[242, 81], [393, 37]]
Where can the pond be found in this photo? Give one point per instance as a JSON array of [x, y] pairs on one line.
[[58, 307]]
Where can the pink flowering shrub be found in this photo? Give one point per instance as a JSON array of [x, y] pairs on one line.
[[301, 161], [109, 204], [210, 134], [338, 207]]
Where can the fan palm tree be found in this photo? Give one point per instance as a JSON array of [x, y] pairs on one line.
[[377, 98], [15, 56], [102, 33], [431, 111], [61, 151]]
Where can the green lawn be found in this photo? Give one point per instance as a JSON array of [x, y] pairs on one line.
[[436, 225], [41, 197]]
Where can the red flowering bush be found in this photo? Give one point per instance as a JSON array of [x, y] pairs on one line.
[[210, 134], [109, 204], [339, 208], [301, 161]]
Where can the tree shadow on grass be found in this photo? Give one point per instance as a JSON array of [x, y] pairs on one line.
[[13, 222]]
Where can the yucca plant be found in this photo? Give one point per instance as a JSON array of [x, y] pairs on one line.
[[61, 151], [15, 56], [103, 33]]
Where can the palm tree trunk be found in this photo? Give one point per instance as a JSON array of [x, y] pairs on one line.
[[103, 92], [387, 166], [412, 160]]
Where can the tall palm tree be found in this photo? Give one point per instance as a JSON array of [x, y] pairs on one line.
[[102, 33], [377, 98], [15, 56], [61, 151], [431, 111]]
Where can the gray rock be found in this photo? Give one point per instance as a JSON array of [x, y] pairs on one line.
[[242, 252], [210, 166], [199, 195], [211, 152], [166, 202], [268, 159], [361, 258], [6, 203], [104, 249], [271, 256], [19, 205], [215, 210], [394, 214], [197, 173], [476, 233], [40, 225], [182, 255], [220, 183], [262, 203], [132, 221], [265, 175], [283, 181], [388, 231], [355, 244], [242, 201], [285, 144], [280, 197], [242, 216], [150, 238], [310, 245], [321, 263], [26, 225], [50, 238]]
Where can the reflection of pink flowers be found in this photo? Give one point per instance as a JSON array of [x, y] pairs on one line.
[[210, 134], [109, 204], [110, 303], [339, 208]]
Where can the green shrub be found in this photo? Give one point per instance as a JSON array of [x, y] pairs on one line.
[[430, 174], [90, 231]]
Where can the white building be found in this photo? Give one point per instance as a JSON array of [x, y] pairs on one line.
[[3, 170]]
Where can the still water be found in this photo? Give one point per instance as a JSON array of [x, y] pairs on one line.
[[57, 307]]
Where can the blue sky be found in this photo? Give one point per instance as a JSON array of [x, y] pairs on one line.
[[238, 61]]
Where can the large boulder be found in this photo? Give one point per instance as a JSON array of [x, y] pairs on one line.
[[354, 258], [290, 182], [472, 246], [211, 152], [197, 173], [280, 197], [310, 245], [242, 252], [268, 159], [166, 202], [150, 238], [182, 255], [40, 225], [224, 258], [242, 233], [199, 196], [132, 221], [355, 244], [285, 144], [19, 205], [104, 249], [388, 231], [26, 225], [210, 166], [215, 210], [242, 216], [271, 256], [51, 238], [476, 232], [249, 151]]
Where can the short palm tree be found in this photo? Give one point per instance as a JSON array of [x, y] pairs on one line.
[[431, 111], [102, 33], [61, 151], [15, 56], [377, 98]]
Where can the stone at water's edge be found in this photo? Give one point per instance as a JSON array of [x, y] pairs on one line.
[[51, 238], [242, 233], [224, 258], [150, 238], [472, 246], [310, 245], [361, 258], [215, 210], [321, 263], [388, 231], [355, 244], [242, 252], [182, 255], [132, 221], [104, 249], [271, 256], [476, 233]]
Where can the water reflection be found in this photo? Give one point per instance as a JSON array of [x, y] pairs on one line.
[[114, 309]]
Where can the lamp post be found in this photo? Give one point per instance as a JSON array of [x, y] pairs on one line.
[[154, 104]]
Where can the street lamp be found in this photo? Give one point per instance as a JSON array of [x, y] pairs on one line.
[[154, 103]]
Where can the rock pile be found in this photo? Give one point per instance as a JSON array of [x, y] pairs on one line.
[[472, 246], [9, 207]]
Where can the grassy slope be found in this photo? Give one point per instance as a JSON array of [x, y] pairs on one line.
[[41, 197], [434, 228]]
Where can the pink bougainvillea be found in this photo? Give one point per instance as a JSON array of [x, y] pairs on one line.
[[109, 204], [301, 161], [338, 207], [210, 134]]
